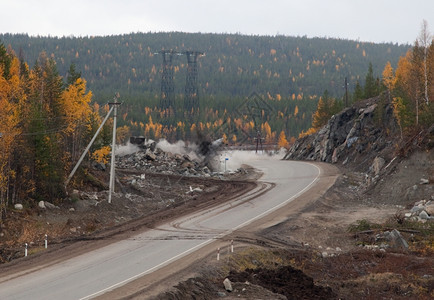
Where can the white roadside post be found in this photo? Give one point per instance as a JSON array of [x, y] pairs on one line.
[[218, 253], [46, 241], [25, 251], [232, 246]]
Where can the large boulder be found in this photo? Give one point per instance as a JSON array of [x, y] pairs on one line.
[[396, 240], [429, 208], [228, 285], [423, 215]]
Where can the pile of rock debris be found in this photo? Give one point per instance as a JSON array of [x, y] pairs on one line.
[[422, 211], [151, 158]]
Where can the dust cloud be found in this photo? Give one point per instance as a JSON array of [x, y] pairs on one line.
[[218, 157], [230, 160]]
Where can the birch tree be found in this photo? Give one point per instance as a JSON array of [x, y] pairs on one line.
[[425, 39]]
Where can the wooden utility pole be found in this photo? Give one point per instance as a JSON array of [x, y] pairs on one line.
[[346, 92], [87, 148], [112, 164]]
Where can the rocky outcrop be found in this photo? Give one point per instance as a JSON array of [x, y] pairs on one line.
[[349, 135]]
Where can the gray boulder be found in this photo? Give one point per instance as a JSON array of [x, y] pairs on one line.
[[50, 205], [228, 285], [423, 215], [396, 240], [416, 209], [429, 208]]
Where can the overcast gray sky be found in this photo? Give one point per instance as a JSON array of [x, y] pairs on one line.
[[397, 21]]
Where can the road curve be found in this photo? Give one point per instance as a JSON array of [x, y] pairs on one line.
[[97, 272]]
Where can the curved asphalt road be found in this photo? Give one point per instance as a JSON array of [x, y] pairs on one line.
[[94, 273]]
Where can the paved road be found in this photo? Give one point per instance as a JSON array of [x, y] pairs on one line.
[[94, 273]]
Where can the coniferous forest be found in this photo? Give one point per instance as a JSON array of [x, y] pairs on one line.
[[289, 73]]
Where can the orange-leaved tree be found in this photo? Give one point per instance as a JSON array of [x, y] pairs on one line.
[[11, 95], [76, 108], [409, 92], [282, 142]]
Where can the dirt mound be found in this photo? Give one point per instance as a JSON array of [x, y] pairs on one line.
[[286, 280], [203, 288]]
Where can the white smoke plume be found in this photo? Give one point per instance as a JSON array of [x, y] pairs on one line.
[[129, 148], [180, 147]]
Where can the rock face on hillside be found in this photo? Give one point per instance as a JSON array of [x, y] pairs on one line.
[[381, 168], [350, 136]]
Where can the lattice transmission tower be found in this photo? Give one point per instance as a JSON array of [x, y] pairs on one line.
[[167, 96], [191, 100]]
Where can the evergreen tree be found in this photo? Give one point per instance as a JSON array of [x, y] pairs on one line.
[[72, 76], [358, 92], [5, 61], [371, 86], [24, 68]]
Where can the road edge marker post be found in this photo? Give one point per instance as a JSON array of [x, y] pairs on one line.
[[46, 241], [25, 250], [218, 253], [232, 246]]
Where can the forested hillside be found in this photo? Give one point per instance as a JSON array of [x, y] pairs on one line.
[[290, 73]]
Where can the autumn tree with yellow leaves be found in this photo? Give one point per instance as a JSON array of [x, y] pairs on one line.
[[327, 107], [411, 86], [76, 107], [44, 125], [11, 98], [282, 142]]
